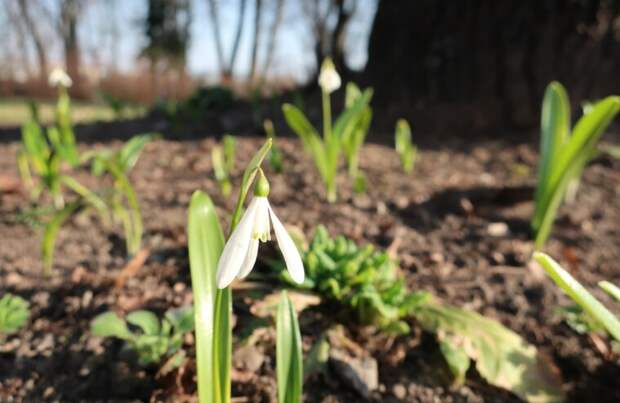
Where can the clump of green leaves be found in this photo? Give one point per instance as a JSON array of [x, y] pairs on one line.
[[368, 281], [120, 202], [151, 338], [565, 153], [14, 313], [44, 151], [360, 277], [326, 150], [275, 157], [406, 150]]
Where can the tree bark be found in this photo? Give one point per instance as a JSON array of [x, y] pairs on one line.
[[493, 57], [256, 41], [69, 16], [271, 41], [215, 23], [36, 39], [237, 41]]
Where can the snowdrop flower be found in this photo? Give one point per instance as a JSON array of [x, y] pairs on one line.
[[329, 80], [58, 77], [241, 250]]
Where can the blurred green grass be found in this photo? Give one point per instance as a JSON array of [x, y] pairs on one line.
[[15, 111]]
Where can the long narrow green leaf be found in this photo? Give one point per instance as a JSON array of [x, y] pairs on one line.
[[555, 131], [212, 307], [610, 289], [51, 232], [310, 138], [289, 360], [248, 177], [579, 294], [90, 196], [349, 118], [129, 154]]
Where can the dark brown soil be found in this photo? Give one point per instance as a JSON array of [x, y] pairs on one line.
[[440, 216]]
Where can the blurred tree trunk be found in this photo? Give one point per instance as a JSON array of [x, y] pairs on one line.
[[215, 23], [36, 38], [329, 39], [495, 55], [255, 42], [235, 49], [68, 23], [273, 31], [339, 34]]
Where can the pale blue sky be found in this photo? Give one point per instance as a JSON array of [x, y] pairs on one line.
[[293, 56]]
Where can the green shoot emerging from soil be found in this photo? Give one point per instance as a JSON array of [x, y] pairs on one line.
[[152, 339], [14, 313], [564, 154], [326, 150], [275, 157], [223, 159], [406, 150], [581, 296]]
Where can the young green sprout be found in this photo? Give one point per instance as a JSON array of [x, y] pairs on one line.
[[14, 313], [241, 249], [565, 153], [220, 170], [406, 150], [326, 150], [275, 155]]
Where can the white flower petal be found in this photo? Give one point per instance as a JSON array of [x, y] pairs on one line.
[[262, 229], [236, 248], [293, 261], [250, 260]]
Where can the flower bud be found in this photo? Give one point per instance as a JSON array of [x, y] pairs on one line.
[[329, 80]]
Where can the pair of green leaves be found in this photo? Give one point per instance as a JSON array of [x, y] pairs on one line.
[[14, 313], [155, 339], [563, 154], [406, 150], [326, 150]]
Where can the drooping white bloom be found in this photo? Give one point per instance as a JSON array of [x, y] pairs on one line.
[[329, 80], [241, 250], [58, 77]]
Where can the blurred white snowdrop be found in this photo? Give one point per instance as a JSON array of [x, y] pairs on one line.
[[58, 77], [241, 249], [329, 80]]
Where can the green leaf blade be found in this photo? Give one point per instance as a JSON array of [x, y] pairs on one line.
[[212, 306], [289, 361], [579, 294]]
